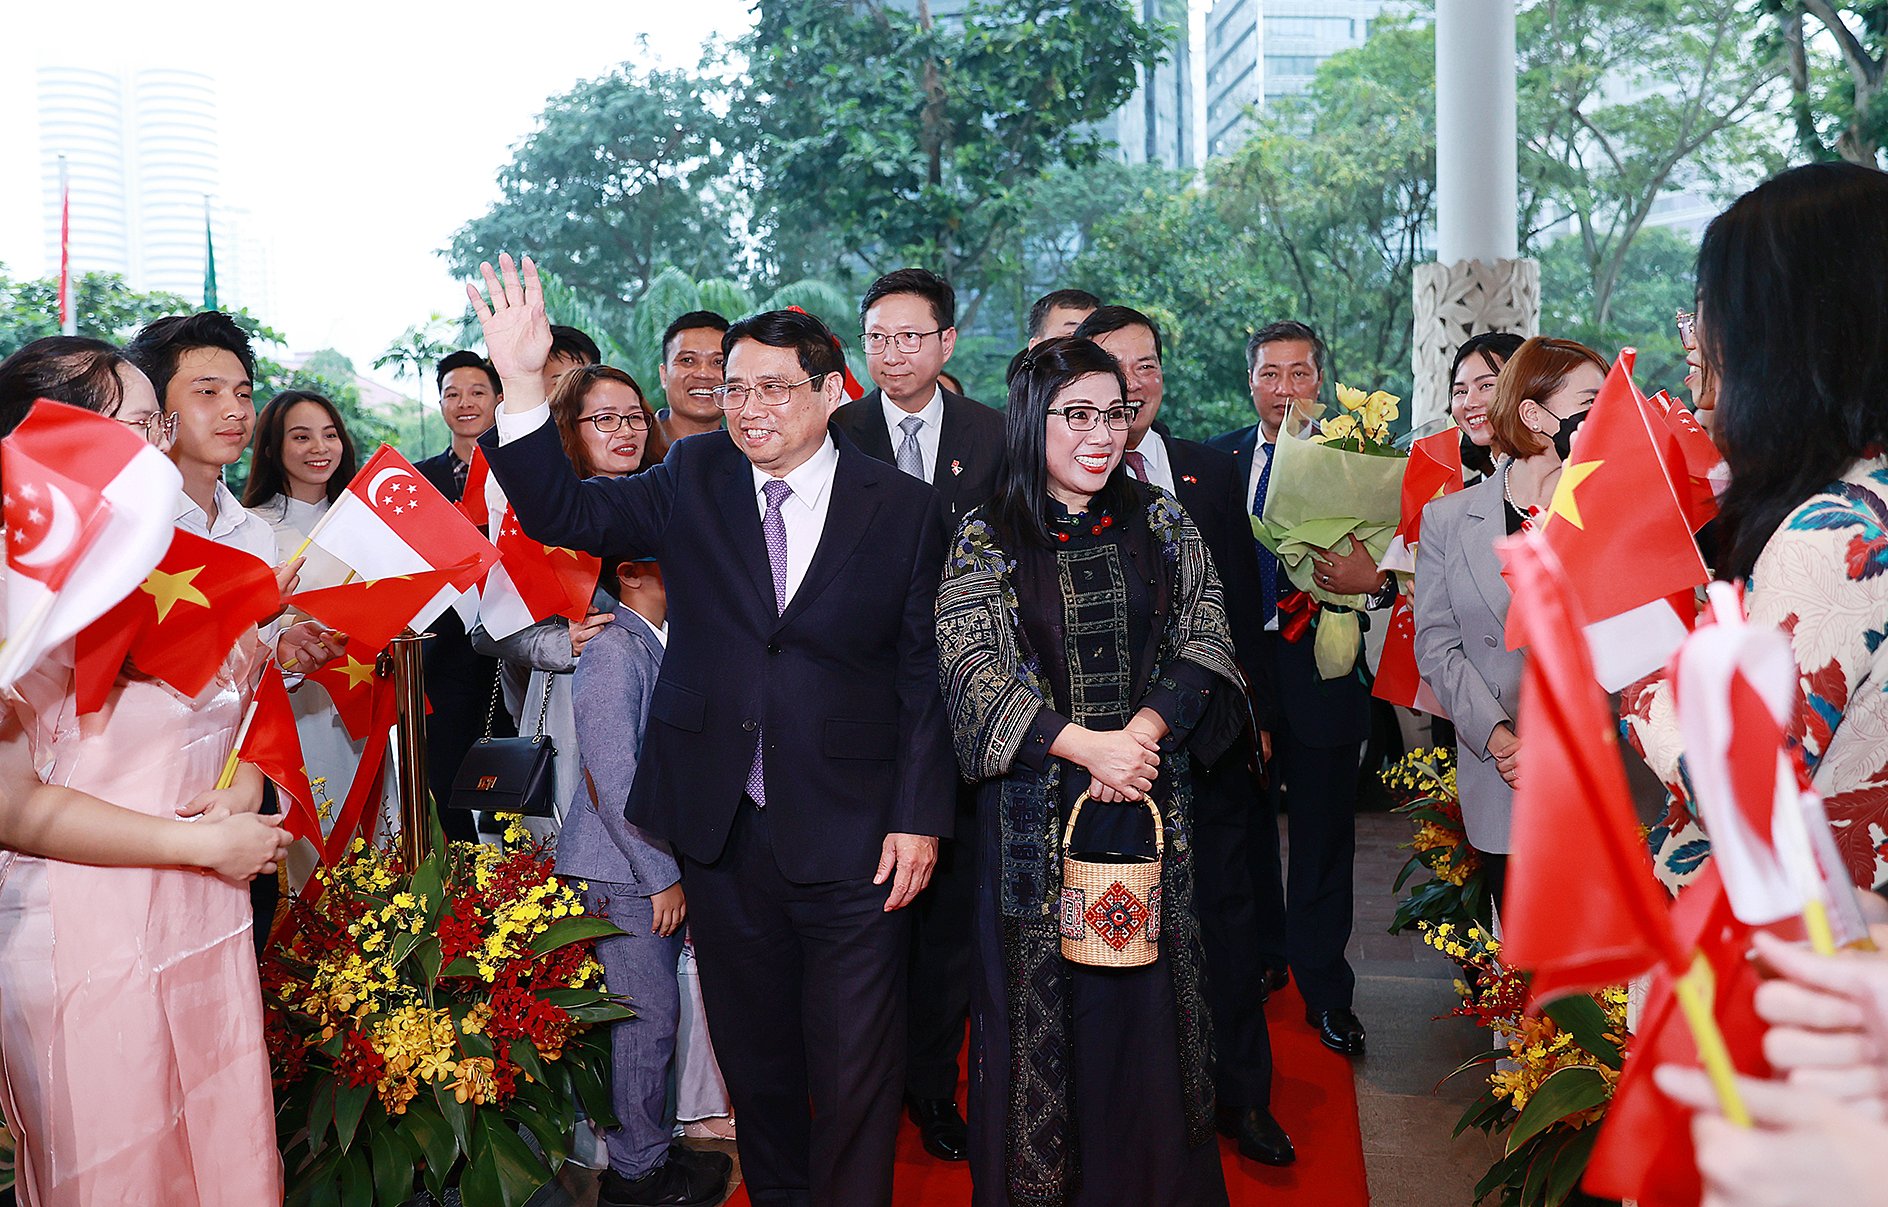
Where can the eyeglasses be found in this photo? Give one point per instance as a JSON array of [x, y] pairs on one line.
[[159, 428], [905, 341], [1083, 419], [771, 393], [1687, 330], [609, 421]]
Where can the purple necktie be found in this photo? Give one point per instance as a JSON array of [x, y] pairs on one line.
[[774, 529], [1137, 464]]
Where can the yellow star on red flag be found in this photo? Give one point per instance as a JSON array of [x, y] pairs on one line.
[[1564, 504], [170, 589]]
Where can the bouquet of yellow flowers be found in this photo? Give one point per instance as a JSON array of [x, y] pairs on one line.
[[420, 1019], [1345, 479]]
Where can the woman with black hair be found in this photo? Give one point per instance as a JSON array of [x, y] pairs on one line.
[[303, 459], [1083, 648], [1472, 390], [1792, 304]]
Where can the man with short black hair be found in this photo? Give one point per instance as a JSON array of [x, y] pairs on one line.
[[908, 323], [691, 371], [570, 349], [797, 755], [202, 368], [1059, 312], [1227, 796], [1319, 726], [459, 679]]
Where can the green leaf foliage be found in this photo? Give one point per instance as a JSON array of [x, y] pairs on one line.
[[1566, 1092]]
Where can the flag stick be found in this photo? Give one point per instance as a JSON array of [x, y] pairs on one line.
[[1816, 921], [235, 752], [312, 534], [23, 639], [1696, 991]]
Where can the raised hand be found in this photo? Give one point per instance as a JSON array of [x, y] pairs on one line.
[[517, 333]]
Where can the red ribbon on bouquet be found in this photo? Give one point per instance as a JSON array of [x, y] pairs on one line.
[[1296, 613]]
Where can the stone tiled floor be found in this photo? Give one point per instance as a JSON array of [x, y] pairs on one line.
[[1406, 1113]]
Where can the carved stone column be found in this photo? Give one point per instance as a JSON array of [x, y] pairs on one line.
[[1455, 301]]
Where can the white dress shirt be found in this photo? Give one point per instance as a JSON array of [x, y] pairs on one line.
[[932, 417], [1159, 467], [1261, 457], [236, 526], [803, 513]]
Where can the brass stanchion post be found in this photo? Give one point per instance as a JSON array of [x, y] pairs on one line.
[[409, 685]]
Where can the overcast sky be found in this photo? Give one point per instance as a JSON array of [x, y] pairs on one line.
[[358, 134]]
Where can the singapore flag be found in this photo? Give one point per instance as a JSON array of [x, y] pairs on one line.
[[89, 507], [391, 521]]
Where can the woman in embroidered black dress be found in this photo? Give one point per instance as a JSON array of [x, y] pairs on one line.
[[1083, 646]]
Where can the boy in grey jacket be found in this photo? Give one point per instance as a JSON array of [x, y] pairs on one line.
[[635, 883]]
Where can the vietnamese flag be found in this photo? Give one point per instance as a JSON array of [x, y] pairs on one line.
[[374, 612], [1619, 532], [272, 745], [1644, 1151], [351, 682], [88, 507], [390, 521], [179, 623], [1583, 910], [534, 581], [473, 503], [1398, 681]]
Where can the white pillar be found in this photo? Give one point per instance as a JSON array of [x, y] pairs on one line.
[[1477, 282], [1476, 195]]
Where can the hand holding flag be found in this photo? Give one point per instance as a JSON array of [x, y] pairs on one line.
[[374, 612], [269, 741]]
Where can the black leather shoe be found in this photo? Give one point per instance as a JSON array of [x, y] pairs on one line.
[[1339, 1030], [1259, 1136], [719, 1164], [1270, 982], [671, 1184], [940, 1127]]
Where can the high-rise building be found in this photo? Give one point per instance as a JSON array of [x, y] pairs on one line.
[[143, 158], [1156, 123], [1260, 50]]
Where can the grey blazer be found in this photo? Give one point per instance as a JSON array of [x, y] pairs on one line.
[[1461, 614], [610, 696]]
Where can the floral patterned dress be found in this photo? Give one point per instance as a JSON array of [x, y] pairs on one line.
[[1823, 580]]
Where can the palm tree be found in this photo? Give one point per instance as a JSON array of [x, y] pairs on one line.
[[413, 354]]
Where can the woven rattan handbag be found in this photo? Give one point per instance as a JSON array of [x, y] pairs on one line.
[[1110, 901]]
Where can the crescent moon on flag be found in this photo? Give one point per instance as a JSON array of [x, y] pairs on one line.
[[379, 479], [60, 532]]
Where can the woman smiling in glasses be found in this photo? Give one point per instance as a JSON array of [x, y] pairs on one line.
[[1084, 649]]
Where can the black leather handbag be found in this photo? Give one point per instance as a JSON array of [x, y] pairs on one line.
[[509, 775]]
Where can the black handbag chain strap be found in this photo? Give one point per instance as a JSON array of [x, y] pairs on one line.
[[491, 711]]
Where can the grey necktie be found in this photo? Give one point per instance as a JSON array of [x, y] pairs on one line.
[[910, 458], [774, 529]]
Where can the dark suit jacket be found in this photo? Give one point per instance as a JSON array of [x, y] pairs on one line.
[[969, 447], [843, 685], [1317, 711], [437, 469]]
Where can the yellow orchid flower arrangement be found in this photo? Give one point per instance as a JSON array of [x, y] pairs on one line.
[[1364, 425]]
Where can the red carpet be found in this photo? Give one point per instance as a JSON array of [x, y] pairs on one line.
[[1313, 1096]]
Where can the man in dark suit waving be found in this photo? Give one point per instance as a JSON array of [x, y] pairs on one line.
[[797, 755], [908, 325]]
